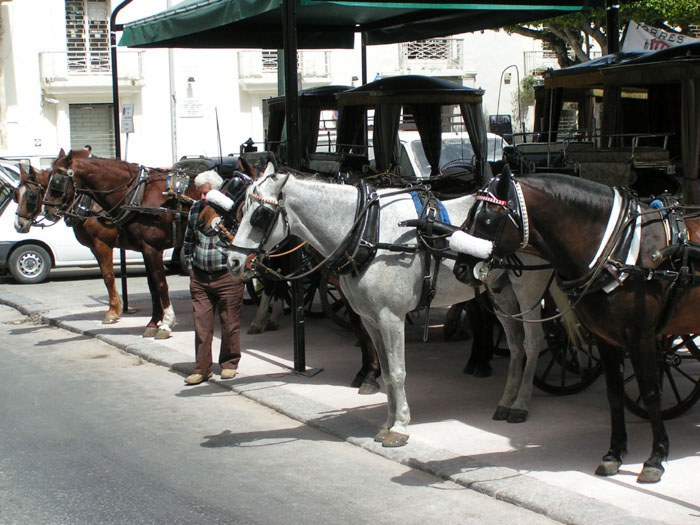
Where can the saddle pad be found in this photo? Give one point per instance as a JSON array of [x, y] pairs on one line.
[[444, 217]]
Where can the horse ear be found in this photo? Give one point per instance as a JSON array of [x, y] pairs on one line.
[[506, 171], [269, 170], [503, 185], [61, 153]]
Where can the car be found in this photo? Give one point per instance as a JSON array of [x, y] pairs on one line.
[[29, 257], [456, 151]]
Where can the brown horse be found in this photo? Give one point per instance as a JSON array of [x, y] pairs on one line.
[[97, 234], [148, 212], [628, 267]]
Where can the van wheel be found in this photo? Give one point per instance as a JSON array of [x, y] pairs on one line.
[[30, 264]]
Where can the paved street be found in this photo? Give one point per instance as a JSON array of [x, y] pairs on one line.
[[545, 464], [91, 434]]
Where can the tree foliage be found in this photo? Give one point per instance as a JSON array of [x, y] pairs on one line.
[[567, 35]]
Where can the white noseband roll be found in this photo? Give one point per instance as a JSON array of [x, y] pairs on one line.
[[462, 242], [219, 199]]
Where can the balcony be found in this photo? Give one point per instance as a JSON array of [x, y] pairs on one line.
[[64, 74], [257, 69], [433, 57]]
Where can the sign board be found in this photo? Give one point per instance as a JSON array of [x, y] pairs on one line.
[[127, 118], [191, 108], [641, 37]]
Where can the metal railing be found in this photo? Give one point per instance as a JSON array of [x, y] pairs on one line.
[[260, 64], [434, 54], [62, 66]]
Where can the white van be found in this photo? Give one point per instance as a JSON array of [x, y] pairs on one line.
[[29, 257]]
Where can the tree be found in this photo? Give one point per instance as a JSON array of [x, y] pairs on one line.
[[568, 34]]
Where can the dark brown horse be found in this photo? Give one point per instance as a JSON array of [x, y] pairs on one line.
[[97, 234], [589, 232], [149, 213]]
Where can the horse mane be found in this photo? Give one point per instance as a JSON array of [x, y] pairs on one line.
[[575, 191]]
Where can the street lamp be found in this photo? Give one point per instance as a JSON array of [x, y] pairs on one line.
[[500, 84]]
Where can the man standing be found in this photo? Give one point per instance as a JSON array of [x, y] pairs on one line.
[[211, 287]]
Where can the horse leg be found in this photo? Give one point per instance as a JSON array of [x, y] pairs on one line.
[[612, 360], [376, 336], [257, 326], [366, 378], [393, 337], [533, 342], [163, 317], [481, 327], [644, 363], [276, 306], [105, 259]]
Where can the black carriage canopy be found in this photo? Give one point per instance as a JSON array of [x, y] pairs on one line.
[[425, 96], [326, 24], [311, 102], [642, 92]]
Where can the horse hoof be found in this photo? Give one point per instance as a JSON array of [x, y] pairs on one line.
[[150, 331], [608, 468], [272, 327], [162, 334], [110, 320], [482, 371], [650, 474], [381, 435], [357, 382], [501, 413], [517, 416], [254, 329], [368, 388], [394, 439], [469, 369]]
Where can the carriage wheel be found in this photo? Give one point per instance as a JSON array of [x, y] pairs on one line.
[[333, 304], [566, 365], [679, 378]]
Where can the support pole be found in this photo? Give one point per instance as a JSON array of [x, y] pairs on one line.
[[612, 20], [291, 103], [113, 28]]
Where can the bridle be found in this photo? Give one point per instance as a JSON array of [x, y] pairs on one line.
[[491, 221], [58, 184], [32, 197]]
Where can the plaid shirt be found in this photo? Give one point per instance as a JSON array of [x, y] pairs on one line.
[[205, 253]]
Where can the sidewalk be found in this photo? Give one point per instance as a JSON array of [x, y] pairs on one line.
[[545, 464]]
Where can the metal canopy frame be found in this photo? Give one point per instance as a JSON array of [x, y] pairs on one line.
[[313, 24]]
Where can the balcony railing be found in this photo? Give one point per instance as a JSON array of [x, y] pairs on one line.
[[57, 67], [442, 55], [259, 65]]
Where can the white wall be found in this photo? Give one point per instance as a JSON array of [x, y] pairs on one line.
[[36, 127]]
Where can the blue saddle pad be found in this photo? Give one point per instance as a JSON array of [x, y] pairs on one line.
[[444, 217]]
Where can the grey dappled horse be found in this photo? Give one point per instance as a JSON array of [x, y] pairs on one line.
[[386, 289]]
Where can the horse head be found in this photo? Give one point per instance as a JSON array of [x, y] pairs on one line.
[[60, 190], [497, 223], [29, 197], [223, 207], [263, 222]]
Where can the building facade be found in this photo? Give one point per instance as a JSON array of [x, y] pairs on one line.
[[56, 82]]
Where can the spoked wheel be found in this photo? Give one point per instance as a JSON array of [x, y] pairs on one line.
[[570, 362], [333, 304], [679, 377]]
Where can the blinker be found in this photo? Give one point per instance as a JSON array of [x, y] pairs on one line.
[[262, 218]]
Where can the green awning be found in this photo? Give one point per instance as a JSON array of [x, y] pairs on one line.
[[325, 24]]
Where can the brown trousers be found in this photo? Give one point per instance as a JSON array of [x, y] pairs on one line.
[[211, 292]]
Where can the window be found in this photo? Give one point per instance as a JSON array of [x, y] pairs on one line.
[[87, 36], [432, 49]]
